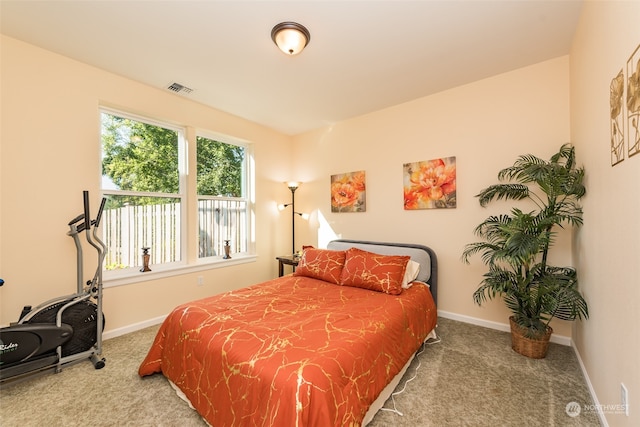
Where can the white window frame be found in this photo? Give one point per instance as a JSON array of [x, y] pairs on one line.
[[188, 263], [247, 186], [181, 195]]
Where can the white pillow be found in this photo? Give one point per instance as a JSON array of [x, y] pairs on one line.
[[410, 274]]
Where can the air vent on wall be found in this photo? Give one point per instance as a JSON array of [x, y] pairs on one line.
[[178, 88]]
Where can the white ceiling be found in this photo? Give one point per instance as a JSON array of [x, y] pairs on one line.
[[363, 55]]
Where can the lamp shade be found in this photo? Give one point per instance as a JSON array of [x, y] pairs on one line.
[[290, 37]]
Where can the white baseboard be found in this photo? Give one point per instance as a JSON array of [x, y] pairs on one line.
[[596, 402], [558, 339], [132, 328]]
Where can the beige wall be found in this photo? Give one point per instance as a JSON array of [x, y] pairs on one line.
[[608, 246], [486, 125], [50, 151]]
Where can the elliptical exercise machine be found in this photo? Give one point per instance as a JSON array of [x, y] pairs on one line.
[[63, 330]]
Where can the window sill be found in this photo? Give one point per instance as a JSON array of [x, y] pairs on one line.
[[113, 279]]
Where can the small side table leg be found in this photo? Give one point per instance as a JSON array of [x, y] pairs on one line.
[[280, 269]]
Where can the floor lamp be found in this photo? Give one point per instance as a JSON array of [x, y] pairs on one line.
[[293, 186]]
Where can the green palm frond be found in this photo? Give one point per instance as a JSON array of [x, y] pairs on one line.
[[566, 152], [523, 170], [570, 305], [503, 191], [497, 282]]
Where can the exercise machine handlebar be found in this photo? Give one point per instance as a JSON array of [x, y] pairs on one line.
[[77, 219], [87, 218], [84, 218], [96, 222]]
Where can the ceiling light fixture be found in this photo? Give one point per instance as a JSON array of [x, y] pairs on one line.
[[290, 37]]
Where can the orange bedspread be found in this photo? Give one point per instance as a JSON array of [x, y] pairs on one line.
[[293, 351]]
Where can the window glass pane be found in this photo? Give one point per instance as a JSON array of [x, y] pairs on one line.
[[222, 207], [131, 223], [138, 156], [220, 168], [221, 220]]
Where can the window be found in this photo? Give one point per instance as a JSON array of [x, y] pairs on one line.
[[144, 186], [144, 172], [222, 197]]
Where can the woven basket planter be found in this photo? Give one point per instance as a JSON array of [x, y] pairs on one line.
[[532, 348]]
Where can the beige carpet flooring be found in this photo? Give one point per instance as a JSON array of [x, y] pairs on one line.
[[470, 378]]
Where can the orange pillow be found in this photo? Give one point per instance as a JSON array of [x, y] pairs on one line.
[[322, 264], [382, 273]]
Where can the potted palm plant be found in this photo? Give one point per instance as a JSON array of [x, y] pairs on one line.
[[515, 247]]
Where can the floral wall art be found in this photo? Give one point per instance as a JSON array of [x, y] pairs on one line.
[[633, 103], [348, 192], [616, 94], [430, 184], [624, 103]]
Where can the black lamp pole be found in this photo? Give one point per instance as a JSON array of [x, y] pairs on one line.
[[293, 219]]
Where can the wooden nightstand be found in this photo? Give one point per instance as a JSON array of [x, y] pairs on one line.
[[288, 260]]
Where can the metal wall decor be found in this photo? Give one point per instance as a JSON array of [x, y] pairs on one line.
[[633, 103], [624, 103], [616, 102]]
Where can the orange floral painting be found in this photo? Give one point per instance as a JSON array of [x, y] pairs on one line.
[[430, 184], [348, 191]]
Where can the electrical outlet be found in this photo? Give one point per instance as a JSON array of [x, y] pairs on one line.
[[624, 397], [200, 280]]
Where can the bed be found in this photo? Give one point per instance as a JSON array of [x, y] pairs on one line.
[[323, 346]]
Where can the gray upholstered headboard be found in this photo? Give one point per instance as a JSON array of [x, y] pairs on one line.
[[421, 254]]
